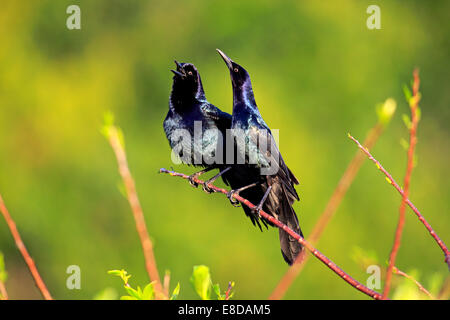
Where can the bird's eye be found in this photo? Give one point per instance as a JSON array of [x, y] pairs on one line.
[[236, 70], [190, 73]]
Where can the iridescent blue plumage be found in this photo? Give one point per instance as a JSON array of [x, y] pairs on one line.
[[260, 146]]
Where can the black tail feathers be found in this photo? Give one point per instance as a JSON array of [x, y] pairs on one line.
[[290, 248]]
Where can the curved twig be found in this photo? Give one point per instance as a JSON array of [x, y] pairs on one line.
[[23, 250], [391, 181], [330, 264], [114, 139]]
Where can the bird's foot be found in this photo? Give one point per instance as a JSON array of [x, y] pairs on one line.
[[230, 196], [192, 178], [206, 187], [256, 210]]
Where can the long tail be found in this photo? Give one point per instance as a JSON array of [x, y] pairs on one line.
[[290, 248]]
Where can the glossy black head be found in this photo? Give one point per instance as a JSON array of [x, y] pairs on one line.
[[239, 76], [187, 81]]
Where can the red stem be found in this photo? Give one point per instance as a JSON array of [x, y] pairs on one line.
[[328, 213], [409, 168], [391, 180], [23, 250], [296, 236]]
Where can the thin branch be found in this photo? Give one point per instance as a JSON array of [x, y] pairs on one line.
[[228, 292], [23, 250], [418, 284], [166, 284], [328, 213], [331, 265], [147, 245], [409, 168], [391, 181]]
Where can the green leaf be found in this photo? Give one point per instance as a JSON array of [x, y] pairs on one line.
[[407, 92], [3, 273], [122, 274], [386, 111], [404, 144], [149, 292], [128, 298], [108, 123], [106, 294], [216, 289], [201, 280], [175, 292], [407, 121], [133, 292]]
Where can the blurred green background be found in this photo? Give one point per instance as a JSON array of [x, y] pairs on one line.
[[317, 73]]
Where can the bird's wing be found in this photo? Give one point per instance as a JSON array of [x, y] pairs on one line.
[[222, 119], [261, 136]]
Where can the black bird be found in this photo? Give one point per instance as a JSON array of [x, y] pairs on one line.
[[274, 181], [194, 127], [188, 105]]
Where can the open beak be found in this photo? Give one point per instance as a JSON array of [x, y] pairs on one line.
[[179, 67], [225, 58]]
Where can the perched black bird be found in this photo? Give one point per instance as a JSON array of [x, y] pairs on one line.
[[274, 189], [188, 106], [194, 127]]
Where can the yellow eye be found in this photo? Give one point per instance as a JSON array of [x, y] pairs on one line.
[[236, 70], [190, 73]]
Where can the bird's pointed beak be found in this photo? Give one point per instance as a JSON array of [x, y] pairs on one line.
[[177, 73], [225, 58]]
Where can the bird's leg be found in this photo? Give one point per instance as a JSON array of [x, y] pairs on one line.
[[232, 193], [196, 175], [258, 208], [206, 187]]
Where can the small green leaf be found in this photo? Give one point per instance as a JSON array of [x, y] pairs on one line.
[[3, 273], [106, 294], [175, 292], [133, 292], [216, 289], [407, 92], [386, 111], [128, 298], [122, 274], [404, 144], [149, 292], [201, 280], [407, 121], [418, 113]]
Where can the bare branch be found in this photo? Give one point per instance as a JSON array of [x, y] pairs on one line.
[[391, 181], [410, 165], [23, 250], [147, 245], [331, 265], [328, 213], [418, 284]]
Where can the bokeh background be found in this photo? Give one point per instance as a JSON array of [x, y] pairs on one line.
[[317, 73]]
